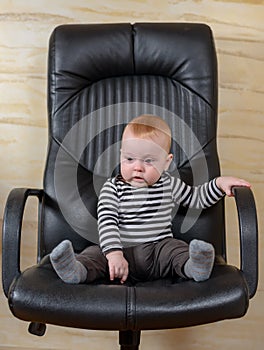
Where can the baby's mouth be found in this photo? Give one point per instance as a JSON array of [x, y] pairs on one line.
[[138, 178]]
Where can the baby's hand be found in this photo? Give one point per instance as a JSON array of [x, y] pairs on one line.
[[225, 183], [118, 266]]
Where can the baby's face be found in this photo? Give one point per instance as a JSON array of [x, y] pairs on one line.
[[143, 160]]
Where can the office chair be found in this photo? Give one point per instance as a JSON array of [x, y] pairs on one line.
[[100, 76]]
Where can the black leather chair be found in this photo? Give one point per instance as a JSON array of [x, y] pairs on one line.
[[99, 77]]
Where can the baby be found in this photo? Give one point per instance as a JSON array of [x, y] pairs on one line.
[[135, 214]]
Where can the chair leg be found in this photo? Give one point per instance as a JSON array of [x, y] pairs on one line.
[[129, 340], [37, 328]]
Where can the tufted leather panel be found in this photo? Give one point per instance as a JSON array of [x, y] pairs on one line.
[[83, 54]]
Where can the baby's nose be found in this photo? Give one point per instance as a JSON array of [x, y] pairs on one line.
[[139, 165]]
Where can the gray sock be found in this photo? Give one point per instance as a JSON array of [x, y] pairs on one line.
[[200, 263], [65, 264]]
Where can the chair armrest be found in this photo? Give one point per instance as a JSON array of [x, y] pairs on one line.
[[248, 230], [11, 233]]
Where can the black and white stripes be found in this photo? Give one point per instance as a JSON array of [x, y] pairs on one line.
[[128, 215]]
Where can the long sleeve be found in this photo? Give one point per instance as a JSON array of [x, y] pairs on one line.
[[198, 197], [107, 210]]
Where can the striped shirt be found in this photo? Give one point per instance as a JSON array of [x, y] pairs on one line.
[[129, 215]]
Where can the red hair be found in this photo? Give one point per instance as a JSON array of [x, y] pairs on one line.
[[149, 126]]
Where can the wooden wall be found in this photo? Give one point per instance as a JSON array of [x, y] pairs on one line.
[[238, 26]]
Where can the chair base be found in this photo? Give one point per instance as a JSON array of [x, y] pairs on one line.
[[129, 340], [37, 328]]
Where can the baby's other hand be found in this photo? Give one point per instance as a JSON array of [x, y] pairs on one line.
[[118, 266], [225, 183]]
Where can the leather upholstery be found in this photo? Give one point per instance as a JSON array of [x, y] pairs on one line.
[[100, 76], [164, 69], [161, 304]]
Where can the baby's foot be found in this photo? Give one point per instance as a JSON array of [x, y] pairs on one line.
[[65, 264], [201, 260]]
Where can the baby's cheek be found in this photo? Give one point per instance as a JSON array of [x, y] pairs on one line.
[[153, 176]]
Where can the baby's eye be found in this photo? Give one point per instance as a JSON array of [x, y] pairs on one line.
[[129, 159], [149, 161]]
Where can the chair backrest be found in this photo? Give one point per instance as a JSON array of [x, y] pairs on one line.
[[102, 75]]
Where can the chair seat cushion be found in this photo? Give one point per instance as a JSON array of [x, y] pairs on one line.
[[39, 295]]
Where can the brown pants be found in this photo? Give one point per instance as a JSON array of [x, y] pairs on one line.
[[147, 261]]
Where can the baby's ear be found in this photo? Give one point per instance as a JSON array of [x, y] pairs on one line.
[[168, 161]]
